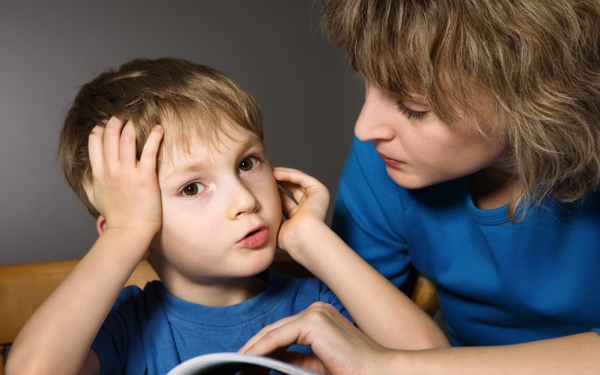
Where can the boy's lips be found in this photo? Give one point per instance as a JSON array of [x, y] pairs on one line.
[[255, 238]]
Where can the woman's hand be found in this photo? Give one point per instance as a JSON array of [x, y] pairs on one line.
[[124, 190], [339, 347]]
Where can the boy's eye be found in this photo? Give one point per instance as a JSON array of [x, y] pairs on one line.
[[192, 189], [248, 164]]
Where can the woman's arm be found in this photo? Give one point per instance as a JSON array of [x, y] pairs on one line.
[[340, 349], [576, 354]]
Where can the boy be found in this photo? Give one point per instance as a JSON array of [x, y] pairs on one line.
[[202, 205]]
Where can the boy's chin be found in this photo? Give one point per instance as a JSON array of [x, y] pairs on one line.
[[262, 262]]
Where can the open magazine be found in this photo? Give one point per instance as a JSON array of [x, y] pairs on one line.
[[232, 363]]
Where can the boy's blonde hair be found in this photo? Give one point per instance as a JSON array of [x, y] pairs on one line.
[[189, 100], [538, 61]]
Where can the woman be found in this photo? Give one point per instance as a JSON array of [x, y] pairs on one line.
[[477, 163]]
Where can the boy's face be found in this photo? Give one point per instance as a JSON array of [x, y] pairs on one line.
[[221, 210]]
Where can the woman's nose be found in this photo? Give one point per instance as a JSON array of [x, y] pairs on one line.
[[374, 119]]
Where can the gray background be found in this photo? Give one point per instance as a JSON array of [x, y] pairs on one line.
[[275, 49]]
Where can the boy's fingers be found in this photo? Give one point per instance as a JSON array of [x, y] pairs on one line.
[[95, 148], [287, 203], [127, 146], [294, 176], [148, 159], [298, 183], [112, 135], [298, 192], [291, 187]]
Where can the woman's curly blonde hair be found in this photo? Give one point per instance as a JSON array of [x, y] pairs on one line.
[[537, 60]]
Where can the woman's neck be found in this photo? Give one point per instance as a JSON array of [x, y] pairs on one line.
[[491, 188]]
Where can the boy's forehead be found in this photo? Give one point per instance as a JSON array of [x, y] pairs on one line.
[[176, 155], [196, 153], [186, 128]]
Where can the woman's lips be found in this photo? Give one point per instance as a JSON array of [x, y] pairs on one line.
[[389, 161], [255, 238]]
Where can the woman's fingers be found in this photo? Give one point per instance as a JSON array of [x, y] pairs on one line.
[[302, 329], [339, 346], [260, 334]]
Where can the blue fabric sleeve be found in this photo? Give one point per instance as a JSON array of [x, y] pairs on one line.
[[136, 335], [329, 297], [117, 331], [369, 215]]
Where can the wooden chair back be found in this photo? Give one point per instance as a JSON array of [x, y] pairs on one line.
[[24, 287], [424, 295]]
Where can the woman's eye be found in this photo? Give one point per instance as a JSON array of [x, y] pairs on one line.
[[248, 164], [410, 113], [192, 189]]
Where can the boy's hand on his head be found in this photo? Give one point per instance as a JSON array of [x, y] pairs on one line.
[[124, 190], [309, 206]]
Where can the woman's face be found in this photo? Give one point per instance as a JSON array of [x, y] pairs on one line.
[[417, 147]]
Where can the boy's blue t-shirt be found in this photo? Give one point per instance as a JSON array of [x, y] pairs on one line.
[[498, 283], [151, 331]]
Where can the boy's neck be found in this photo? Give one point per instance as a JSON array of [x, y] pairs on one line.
[[216, 294], [210, 292]]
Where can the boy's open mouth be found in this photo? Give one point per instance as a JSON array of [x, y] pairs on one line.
[[251, 233], [255, 238]]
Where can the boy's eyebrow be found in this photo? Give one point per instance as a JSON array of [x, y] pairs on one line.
[[192, 167], [200, 165]]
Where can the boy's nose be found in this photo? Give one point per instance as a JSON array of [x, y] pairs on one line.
[[242, 201]]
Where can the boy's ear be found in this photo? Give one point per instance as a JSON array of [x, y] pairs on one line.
[[100, 225]]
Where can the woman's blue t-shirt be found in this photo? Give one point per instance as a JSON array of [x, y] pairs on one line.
[[498, 283]]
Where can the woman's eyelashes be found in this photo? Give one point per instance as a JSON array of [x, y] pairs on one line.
[[191, 189], [411, 114]]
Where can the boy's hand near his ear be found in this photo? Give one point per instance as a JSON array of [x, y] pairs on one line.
[[308, 239], [309, 206], [124, 190]]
